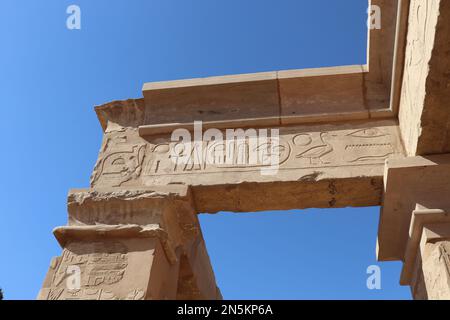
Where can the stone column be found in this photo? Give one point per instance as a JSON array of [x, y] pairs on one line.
[[427, 258], [132, 244], [415, 223]]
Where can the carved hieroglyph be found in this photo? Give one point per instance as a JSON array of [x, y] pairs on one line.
[[102, 266], [436, 270], [128, 159], [123, 163]]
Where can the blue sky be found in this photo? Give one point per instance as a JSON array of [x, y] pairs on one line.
[[51, 77]]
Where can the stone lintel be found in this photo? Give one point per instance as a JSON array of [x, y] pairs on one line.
[[299, 96], [340, 163], [283, 97], [409, 182], [343, 93]]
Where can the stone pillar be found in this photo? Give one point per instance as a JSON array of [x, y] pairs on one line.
[[415, 223], [132, 244], [427, 257]]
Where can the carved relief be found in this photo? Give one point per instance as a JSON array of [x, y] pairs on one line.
[[136, 294], [93, 294], [436, 269], [368, 133], [119, 166], [316, 150], [242, 154], [105, 263], [295, 150], [161, 161], [368, 144], [102, 266], [127, 159]]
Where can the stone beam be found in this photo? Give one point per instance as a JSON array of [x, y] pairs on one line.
[[284, 97], [328, 165], [291, 96], [431, 277]]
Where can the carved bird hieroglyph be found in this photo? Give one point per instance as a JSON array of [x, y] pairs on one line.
[[315, 153]]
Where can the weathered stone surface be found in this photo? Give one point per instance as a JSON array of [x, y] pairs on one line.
[[415, 223], [424, 117], [407, 182], [342, 93], [110, 270], [350, 157], [431, 275], [131, 244], [422, 221], [117, 115], [212, 99], [436, 270]]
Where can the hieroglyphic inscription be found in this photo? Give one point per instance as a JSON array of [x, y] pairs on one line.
[[102, 266], [436, 270], [301, 150], [127, 159], [120, 163]]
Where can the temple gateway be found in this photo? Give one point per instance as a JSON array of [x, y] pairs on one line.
[[362, 135]]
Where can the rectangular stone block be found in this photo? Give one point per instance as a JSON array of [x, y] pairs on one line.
[[212, 99], [341, 93], [342, 155]]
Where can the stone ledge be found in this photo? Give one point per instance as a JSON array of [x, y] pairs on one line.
[[100, 232], [81, 196]]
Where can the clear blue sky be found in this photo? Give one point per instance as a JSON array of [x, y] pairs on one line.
[[51, 77]]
